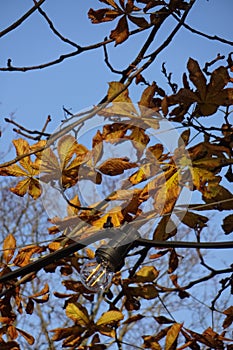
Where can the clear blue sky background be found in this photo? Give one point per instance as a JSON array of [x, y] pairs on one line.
[[82, 81]]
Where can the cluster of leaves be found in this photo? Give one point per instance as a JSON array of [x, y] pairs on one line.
[[127, 11], [155, 175]]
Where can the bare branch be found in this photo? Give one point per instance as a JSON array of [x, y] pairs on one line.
[[22, 19]]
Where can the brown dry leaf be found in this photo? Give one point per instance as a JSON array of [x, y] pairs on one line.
[[116, 166], [172, 335], [150, 343], [163, 320], [102, 15], [29, 307], [134, 318], [191, 219], [140, 139], [208, 96], [206, 339], [228, 224], [28, 337], [61, 333], [156, 151], [165, 229], [173, 261], [147, 291], [9, 245], [197, 78], [229, 319], [121, 32], [184, 138], [25, 254], [12, 332], [44, 291]]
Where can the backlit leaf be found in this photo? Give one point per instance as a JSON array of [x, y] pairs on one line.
[[9, 245], [145, 274], [172, 335], [116, 166], [78, 313], [110, 317]]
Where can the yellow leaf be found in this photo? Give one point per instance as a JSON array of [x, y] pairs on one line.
[[13, 170], [72, 210], [77, 313], [115, 215], [110, 317], [167, 194], [118, 89], [172, 336], [66, 147], [9, 245], [22, 147], [145, 274]]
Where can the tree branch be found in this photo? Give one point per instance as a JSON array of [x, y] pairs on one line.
[[22, 19]]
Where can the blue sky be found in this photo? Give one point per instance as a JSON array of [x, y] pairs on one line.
[[81, 81]]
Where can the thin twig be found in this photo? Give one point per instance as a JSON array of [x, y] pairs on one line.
[[21, 19]]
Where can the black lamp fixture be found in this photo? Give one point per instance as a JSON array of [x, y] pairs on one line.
[[96, 274]]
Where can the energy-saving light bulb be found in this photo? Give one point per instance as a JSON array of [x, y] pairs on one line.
[[96, 274]]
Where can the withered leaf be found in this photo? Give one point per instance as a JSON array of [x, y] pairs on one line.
[[172, 335], [116, 166], [134, 318], [173, 261], [9, 245], [77, 313], [228, 224], [229, 319], [102, 15], [110, 317], [121, 32], [61, 333], [163, 320], [28, 337]]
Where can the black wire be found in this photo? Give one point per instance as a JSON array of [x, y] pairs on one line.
[[74, 247], [180, 244]]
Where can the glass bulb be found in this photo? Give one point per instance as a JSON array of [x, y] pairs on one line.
[[96, 275]]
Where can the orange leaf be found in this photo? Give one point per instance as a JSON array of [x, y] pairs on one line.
[[9, 245], [116, 166], [29, 338]]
